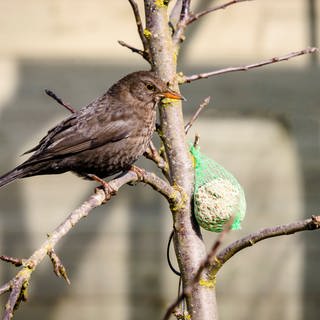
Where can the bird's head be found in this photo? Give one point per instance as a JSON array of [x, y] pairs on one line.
[[147, 87]]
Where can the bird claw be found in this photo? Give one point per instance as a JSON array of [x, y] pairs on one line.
[[139, 172], [105, 186], [107, 189]]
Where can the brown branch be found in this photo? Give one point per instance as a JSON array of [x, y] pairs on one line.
[[305, 225], [18, 285], [202, 105], [188, 79], [59, 100], [15, 261], [196, 16], [140, 28]]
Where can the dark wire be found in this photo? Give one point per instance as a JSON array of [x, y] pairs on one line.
[[175, 271], [168, 255]]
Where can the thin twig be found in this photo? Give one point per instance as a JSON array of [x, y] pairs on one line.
[[196, 114], [188, 79], [196, 16], [305, 225], [140, 28], [142, 53], [59, 100], [15, 261]]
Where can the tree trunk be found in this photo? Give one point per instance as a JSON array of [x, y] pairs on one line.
[[189, 246]]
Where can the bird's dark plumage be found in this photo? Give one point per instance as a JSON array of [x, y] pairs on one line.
[[103, 138]]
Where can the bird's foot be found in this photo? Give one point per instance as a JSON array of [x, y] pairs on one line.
[[105, 186], [139, 172]]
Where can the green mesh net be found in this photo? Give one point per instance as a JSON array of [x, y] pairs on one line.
[[218, 196]]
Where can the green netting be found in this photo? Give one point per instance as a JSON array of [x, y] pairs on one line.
[[218, 196]]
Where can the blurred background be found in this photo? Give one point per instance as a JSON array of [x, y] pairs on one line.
[[262, 125]]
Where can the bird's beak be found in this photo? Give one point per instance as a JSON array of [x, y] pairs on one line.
[[173, 95]]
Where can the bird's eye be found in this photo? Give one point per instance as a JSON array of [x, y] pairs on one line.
[[151, 87]]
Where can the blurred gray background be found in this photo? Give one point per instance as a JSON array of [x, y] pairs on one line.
[[262, 125]]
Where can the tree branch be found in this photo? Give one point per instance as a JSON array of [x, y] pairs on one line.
[[305, 225], [142, 53], [196, 16], [52, 95], [15, 261], [188, 79], [18, 285]]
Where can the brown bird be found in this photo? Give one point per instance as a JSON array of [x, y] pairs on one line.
[[103, 138]]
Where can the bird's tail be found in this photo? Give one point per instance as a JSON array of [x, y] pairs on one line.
[[11, 176]]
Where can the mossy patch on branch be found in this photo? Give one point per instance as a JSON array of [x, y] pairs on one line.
[[160, 3], [147, 33]]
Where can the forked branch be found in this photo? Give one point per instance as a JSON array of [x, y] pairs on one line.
[[214, 262], [282, 230], [19, 284]]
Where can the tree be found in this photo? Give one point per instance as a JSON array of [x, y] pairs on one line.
[[161, 41]]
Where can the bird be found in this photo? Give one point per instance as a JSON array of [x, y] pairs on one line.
[[102, 138]]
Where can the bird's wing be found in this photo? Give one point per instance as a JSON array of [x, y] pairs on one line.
[[82, 132]]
